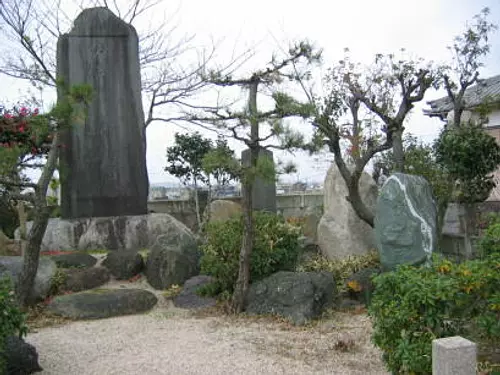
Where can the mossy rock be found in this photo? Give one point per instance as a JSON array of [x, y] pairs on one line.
[[77, 280], [102, 303], [75, 260]]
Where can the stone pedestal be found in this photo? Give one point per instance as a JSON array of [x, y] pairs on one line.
[[453, 356], [264, 192], [103, 162]]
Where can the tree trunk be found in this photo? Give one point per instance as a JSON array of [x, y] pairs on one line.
[[241, 286], [352, 182], [468, 223], [398, 151], [32, 254]]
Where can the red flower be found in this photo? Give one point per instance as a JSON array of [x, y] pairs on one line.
[[35, 112], [7, 115]]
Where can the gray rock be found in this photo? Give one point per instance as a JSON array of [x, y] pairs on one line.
[[111, 233], [405, 221], [76, 260], [20, 357], [77, 280], [173, 259], [103, 167], [43, 281], [188, 297], [124, 264], [341, 233], [299, 296], [102, 303]]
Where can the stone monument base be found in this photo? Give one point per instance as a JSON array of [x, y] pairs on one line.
[[110, 233]]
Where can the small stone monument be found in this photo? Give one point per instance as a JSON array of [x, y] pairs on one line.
[[264, 192], [103, 163]]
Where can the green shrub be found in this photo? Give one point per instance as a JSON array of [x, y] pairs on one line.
[[412, 306], [12, 320], [490, 239], [276, 248], [341, 269]]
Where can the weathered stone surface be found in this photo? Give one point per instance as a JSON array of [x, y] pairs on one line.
[[124, 264], [77, 280], [171, 261], [222, 210], [264, 192], [103, 167], [60, 234], [311, 221], [102, 303], [405, 221], [188, 297], [20, 357], [300, 296], [76, 260], [112, 233], [46, 270], [341, 233]]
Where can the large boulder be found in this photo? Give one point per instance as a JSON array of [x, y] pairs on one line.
[[12, 266], [299, 296], [20, 357], [75, 260], [188, 298], [172, 260], [341, 233], [102, 303], [124, 264], [77, 280], [112, 233], [405, 221], [222, 210]]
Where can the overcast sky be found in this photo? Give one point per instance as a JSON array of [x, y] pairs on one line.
[[366, 27]]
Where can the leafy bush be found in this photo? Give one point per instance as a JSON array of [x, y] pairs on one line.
[[276, 248], [12, 320], [341, 269], [412, 306], [490, 239]]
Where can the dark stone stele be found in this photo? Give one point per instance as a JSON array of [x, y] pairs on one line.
[[103, 164], [102, 303], [124, 264], [299, 296], [188, 298], [264, 192], [76, 260], [20, 357]]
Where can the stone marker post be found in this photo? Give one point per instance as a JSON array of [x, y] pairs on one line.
[[453, 356], [263, 192], [103, 164]]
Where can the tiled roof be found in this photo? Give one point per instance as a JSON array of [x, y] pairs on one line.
[[488, 88]]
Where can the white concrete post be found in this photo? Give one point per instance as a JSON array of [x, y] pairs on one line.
[[453, 356]]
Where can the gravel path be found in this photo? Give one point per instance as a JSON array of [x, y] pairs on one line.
[[172, 343], [169, 340]]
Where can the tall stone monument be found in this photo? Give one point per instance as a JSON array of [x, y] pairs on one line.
[[263, 192], [103, 164]]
